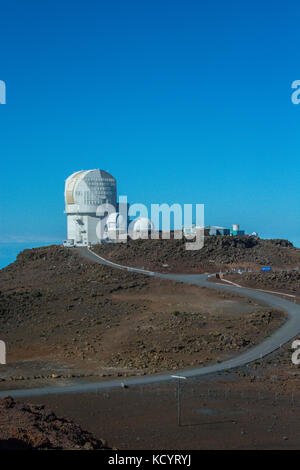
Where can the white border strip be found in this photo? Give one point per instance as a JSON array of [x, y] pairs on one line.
[[261, 290]]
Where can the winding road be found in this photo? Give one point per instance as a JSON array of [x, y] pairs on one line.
[[285, 333]]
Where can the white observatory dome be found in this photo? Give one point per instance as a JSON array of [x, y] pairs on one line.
[[86, 190], [141, 227], [115, 221]]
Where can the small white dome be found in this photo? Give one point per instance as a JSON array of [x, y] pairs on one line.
[[142, 224], [115, 221]]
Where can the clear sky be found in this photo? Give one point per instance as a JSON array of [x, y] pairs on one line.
[[182, 101]]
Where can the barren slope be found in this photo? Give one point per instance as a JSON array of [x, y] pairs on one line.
[[218, 253], [60, 315], [285, 281]]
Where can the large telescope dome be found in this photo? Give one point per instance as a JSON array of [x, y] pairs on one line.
[[86, 190]]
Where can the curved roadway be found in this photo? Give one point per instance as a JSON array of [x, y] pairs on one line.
[[285, 333]]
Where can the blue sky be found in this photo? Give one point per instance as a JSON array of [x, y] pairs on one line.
[[182, 101]]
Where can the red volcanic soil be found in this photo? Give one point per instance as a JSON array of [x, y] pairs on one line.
[[285, 281], [256, 407], [62, 316], [35, 427], [218, 253]]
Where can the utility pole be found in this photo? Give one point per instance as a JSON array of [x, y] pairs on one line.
[[179, 378]]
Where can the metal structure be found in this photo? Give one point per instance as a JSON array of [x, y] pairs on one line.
[[236, 230], [179, 378], [85, 191], [216, 230]]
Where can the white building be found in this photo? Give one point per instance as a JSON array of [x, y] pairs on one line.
[[140, 228], [85, 191], [115, 227]]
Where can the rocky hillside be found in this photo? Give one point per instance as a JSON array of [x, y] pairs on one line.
[[217, 252], [63, 317], [34, 427], [283, 280]]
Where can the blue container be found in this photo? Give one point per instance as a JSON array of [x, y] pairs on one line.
[[266, 268]]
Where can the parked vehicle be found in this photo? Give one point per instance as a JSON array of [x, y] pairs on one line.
[[69, 243]]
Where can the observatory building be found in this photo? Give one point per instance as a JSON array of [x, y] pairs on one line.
[[141, 228], [84, 192]]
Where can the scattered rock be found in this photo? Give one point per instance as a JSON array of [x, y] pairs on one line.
[[33, 427]]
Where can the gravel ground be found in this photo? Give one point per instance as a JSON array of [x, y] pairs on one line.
[[218, 253], [286, 281], [62, 317]]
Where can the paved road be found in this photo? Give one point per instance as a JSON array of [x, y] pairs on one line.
[[284, 334]]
